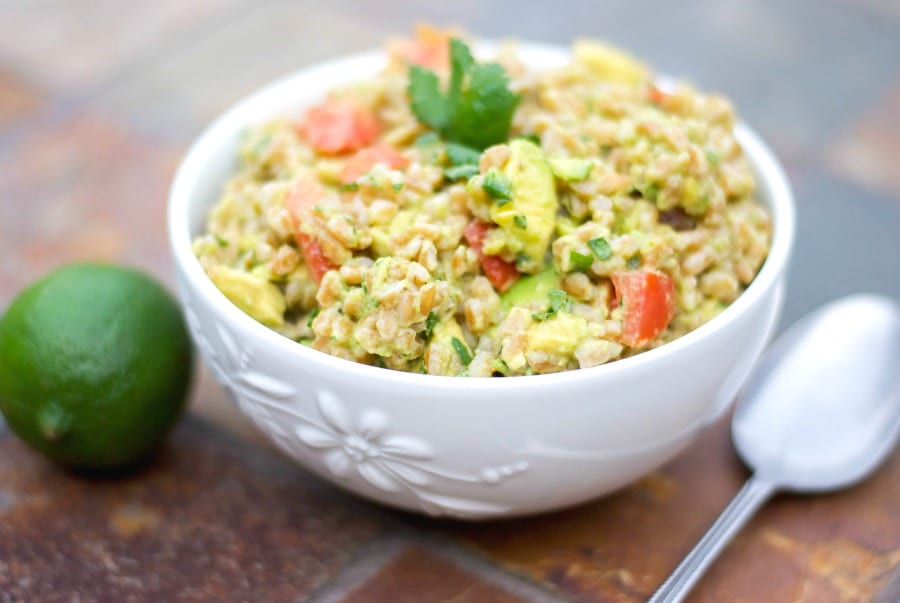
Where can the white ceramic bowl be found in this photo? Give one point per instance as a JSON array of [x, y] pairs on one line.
[[464, 447]]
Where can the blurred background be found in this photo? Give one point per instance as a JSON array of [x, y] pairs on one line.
[[99, 99]]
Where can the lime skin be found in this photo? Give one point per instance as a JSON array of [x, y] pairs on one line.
[[95, 366]]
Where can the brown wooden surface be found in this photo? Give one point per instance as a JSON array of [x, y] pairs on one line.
[[98, 100]]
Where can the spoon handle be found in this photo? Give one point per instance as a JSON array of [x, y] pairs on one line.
[[755, 492]]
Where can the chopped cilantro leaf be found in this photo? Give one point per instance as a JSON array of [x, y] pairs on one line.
[[458, 154], [580, 261], [460, 171], [430, 323], [600, 248], [221, 242], [633, 262], [397, 186], [478, 106], [462, 351], [312, 317], [351, 186], [533, 138], [558, 299], [520, 221], [497, 185]]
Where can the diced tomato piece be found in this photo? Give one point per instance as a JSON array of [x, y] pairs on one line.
[[429, 48], [300, 201], [501, 273], [339, 126], [475, 234], [365, 159], [304, 195], [648, 300]]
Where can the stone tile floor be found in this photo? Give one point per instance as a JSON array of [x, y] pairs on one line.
[[98, 100]]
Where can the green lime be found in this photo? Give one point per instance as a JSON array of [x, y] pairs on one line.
[[95, 364]]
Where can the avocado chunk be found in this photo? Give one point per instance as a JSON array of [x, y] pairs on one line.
[[531, 289], [527, 220], [257, 297], [447, 352], [382, 234], [559, 335], [610, 63], [571, 170]]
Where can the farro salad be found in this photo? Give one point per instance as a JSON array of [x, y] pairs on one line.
[[454, 217]]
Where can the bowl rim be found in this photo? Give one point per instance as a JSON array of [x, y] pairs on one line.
[[769, 171]]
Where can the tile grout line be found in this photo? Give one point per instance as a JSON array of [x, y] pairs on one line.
[[456, 553], [367, 561], [378, 553]]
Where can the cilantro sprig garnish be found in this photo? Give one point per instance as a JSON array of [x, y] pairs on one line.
[[460, 172], [477, 108], [463, 161], [458, 154]]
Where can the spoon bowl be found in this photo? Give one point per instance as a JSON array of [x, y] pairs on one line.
[[820, 412], [822, 409]]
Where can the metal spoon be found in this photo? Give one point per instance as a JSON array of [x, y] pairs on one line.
[[820, 412]]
